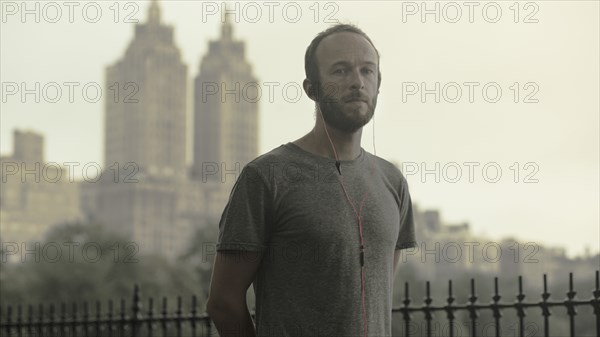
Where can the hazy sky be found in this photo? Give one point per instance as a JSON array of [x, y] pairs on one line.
[[551, 131]]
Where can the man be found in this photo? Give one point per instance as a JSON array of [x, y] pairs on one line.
[[317, 224]]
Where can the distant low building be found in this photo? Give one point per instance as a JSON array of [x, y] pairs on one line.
[[34, 194]]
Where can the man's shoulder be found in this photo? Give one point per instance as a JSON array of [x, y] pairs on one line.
[[390, 170], [276, 155], [265, 163]]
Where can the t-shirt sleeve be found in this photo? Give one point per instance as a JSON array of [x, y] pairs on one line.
[[244, 223], [406, 235]]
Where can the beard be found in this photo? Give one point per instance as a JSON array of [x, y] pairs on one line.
[[342, 116]]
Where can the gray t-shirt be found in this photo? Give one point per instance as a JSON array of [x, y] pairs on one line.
[[289, 204]]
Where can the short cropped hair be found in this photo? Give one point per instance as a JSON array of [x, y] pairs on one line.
[[311, 67]]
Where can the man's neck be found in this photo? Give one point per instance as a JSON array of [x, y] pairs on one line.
[[347, 145]]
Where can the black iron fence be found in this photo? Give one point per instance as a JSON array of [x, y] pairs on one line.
[[162, 321], [473, 308]]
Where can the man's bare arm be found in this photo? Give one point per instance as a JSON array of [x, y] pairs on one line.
[[233, 273], [397, 254]]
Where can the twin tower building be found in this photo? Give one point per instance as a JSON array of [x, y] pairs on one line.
[[149, 192]]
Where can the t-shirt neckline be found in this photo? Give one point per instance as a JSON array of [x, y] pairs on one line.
[[354, 161]]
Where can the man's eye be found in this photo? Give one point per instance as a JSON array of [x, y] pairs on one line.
[[339, 71], [369, 71]]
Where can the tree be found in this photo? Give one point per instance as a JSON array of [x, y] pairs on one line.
[[78, 262], [201, 253]]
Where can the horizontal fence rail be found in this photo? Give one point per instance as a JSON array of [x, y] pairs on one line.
[[134, 321]]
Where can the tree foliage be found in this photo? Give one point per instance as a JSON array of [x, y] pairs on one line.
[[86, 262]]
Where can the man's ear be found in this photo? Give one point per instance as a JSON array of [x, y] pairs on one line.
[[310, 89]]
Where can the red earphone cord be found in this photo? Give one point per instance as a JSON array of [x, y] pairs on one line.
[[358, 218]]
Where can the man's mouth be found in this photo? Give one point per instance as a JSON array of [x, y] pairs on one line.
[[356, 99]]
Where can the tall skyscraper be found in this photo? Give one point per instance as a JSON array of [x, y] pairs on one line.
[[158, 206], [225, 108], [145, 120], [145, 125]]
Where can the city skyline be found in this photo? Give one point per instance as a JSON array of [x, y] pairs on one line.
[[532, 206]]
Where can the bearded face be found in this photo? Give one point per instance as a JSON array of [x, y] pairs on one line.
[[346, 94], [346, 113]]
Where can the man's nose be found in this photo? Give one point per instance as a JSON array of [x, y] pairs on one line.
[[356, 79]]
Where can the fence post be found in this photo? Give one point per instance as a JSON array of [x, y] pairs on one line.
[[63, 318], [449, 309], [109, 318], [19, 319], [406, 313], [520, 308], [193, 315], [40, 322], [51, 320], [163, 320], [571, 311], [178, 318], [545, 307], [8, 320], [30, 323], [136, 308], [427, 309], [496, 307], [98, 317], [86, 319], [208, 320], [596, 303], [150, 315], [473, 310], [122, 319], [73, 319]]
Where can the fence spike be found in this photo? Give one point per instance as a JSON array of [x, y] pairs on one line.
[[137, 304], [98, 317], [164, 316], [194, 316], [122, 319], [545, 307], [51, 320], [520, 308], [473, 297], [86, 318], [449, 309], [428, 301], [473, 314], [178, 314], [571, 310], [40, 323], [405, 311], [109, 317], [150, 315], [19, 319], [8, 319], [63, 318], [136, 308], [74, 318], [497, 314], [207, 323], [596, 302], [30, 319]]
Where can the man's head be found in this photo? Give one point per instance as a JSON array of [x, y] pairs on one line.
[[343, 76]]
